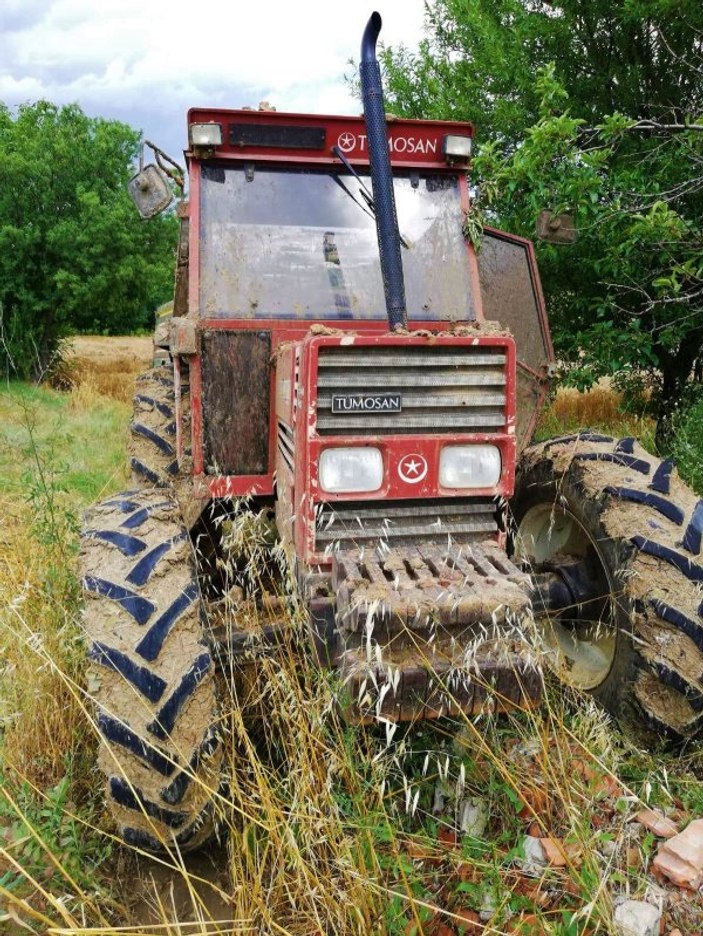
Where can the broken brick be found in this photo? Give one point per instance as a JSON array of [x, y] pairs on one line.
[[535, 802], [437, 928], [467, 922], [447, 836], [657, 823], [680, 858], [559, 854]]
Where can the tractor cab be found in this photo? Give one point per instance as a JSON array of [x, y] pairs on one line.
[[298, 386]]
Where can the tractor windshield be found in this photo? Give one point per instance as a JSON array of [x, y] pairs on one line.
[[302, 244]]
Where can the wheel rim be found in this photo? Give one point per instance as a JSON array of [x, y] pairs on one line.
[[580, 643]]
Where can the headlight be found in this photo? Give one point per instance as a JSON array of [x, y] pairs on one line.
[[351, 470], [206, 134], [469, 466], [457, 147]]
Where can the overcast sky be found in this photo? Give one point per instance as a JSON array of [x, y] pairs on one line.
[[147, 61]]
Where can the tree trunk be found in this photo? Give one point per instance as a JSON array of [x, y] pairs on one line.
[[45, 348], [677, 368]]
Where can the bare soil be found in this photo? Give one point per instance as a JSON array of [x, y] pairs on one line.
[[157, 892]]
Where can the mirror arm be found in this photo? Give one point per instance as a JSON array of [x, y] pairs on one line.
[[175, 174]]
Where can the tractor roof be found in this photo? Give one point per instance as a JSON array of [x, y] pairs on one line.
[[310, 138]]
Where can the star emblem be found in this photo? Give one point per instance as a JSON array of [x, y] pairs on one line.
[[346, 142], [412, 468]]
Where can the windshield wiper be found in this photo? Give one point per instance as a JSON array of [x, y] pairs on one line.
[[353, 197], [369, 208]]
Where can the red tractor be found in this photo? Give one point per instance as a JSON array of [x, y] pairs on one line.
[[372, 413]]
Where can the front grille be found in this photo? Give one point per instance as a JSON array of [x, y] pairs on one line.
[[443, 389], [347, 525]]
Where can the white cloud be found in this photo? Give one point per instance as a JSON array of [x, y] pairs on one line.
[[148, 61]]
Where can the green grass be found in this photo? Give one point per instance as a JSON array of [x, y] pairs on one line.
[[58, 452], [82, 439]]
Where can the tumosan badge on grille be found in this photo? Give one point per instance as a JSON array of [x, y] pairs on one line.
[[367, 403]]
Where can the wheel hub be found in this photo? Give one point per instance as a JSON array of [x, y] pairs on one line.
[[571, 595]]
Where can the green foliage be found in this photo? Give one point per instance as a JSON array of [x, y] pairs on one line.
[[481, 57], [48, 836], [686, 441], [628, 294], [593, 108], [74, 255]]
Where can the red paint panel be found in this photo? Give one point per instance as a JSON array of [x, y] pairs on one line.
[[395, 447], [401, 451], [412, 143], [471, 252], [236, 486], [309, 444]]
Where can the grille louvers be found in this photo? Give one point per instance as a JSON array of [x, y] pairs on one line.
[[404, 523], [442, 389]]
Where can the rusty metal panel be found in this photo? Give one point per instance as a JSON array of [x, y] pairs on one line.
[[529, 396], [180, 297], [236, 397], [511, 295], [556, 229]]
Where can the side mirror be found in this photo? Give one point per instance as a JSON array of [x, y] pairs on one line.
[[150, 191], [556, 229]]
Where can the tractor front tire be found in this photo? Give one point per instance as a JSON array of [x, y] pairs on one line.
[[151, 673], [629, 519], [152, 447]]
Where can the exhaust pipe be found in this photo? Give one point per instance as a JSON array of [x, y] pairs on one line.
[[381, 177]]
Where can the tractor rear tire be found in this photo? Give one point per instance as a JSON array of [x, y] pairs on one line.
[[151, 674], [152, 449], [639, 528]]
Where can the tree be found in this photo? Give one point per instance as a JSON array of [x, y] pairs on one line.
[[595, 108], [627, 298], [74, 255], [481, 57]]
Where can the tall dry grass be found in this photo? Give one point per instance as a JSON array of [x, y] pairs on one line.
[[59, 451], [94, 366], [341, 829], [601, 408], [326, 828]]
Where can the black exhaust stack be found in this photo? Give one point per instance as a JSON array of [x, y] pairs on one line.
[[381, 177]]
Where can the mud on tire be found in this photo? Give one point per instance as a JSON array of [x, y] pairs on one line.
[[152, 447], [151, 674], [643, 527]]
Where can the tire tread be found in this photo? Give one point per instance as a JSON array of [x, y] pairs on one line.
[[643, 506], [151, 668]]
